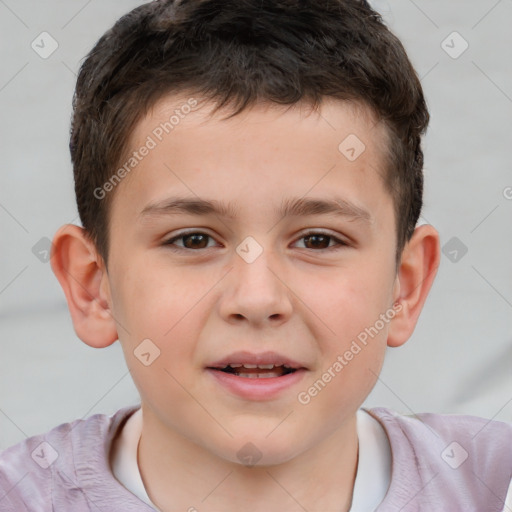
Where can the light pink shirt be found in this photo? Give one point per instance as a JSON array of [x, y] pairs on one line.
[[440, 463]]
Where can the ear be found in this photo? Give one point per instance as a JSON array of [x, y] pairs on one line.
[[82, 274], [418, 268]]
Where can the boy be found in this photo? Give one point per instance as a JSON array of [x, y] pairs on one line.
[[249, 179]]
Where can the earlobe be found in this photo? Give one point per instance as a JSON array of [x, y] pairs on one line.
[[81, 273], [418, 268]]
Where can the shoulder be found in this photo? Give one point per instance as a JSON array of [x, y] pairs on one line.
[[43, 469], [473, 430], [461, 460]]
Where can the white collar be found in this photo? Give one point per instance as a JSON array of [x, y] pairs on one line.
[[374, 468], [373, 471]]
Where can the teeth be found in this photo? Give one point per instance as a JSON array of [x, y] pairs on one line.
[[258, 375], [253, 366]]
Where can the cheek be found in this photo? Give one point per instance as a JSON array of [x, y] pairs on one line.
[[346, 302], [150, 299], [352, 334], [152, 303], [162, 329], [349, 369]]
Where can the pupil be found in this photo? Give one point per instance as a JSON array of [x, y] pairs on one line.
[[316, 237], [195, 238]]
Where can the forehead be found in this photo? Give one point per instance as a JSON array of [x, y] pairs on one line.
[[266, 149]]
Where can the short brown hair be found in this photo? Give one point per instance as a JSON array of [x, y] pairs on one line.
[[238, 52]]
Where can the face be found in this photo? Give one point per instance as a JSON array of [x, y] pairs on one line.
[[267, 238]]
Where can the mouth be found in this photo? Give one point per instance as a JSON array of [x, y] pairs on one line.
[[257, 382], [257, 376]]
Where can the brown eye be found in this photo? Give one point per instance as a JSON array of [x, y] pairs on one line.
[[317, 241], [192, 241], [196, 241], [322, 241]]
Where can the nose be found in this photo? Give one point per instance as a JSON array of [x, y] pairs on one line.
[[256, 292]]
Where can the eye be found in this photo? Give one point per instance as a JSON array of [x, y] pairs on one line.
[[320, 240], [199, 240], [192, 240]]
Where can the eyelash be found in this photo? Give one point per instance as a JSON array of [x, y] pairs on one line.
[[169, 243]]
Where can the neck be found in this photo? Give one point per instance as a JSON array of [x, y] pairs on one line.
[[180, 475]]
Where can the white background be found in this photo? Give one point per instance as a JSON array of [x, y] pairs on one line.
[[459, 359]]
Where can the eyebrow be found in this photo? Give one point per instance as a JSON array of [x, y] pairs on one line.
[[302, 207]]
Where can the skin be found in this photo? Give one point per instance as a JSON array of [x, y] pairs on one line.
[[306, 298]]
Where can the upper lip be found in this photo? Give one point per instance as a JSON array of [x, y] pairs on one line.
[[263, 358]]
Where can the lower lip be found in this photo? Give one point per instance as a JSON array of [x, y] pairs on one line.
[[257, 389]]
